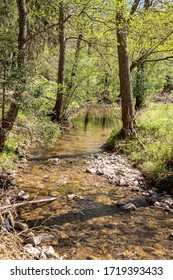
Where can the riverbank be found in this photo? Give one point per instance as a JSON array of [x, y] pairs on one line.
[[150, 148]]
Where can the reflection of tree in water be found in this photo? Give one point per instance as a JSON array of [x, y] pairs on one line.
[[86, 121], [102, 120]]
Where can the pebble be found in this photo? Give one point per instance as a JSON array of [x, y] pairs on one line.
[[22, 195], [20, 226], [39, 253], [116, 169]]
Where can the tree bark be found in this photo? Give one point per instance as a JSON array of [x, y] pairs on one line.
[[70, 85], [61, 64], [9, 120], [124, 72]]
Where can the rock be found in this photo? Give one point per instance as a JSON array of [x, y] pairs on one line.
[[152, 199], [122, 182], [6, 224], [20, 226], [75, 197], [42, 256], [54, 161], [136, 189], [22, 195], [34, 252], [135, 183], [167, 200], [121, 203], [71, 196], [49, 251], [99, 172], [157, 204], [171, 236], [91, 170], [45, 178]]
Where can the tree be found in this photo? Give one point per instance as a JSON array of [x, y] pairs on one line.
[[124, 70], [10, 117]]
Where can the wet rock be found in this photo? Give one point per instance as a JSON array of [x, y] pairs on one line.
[[20, 226], [22, 195], [121, 203]]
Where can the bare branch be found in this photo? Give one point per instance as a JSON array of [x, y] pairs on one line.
[[134, 7]]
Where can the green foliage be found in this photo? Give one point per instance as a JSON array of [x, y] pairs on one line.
[[152, 148]]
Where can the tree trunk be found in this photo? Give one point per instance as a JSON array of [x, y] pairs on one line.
[[61, 64], [139, 89], [9, 120], [124, 72], [70, 85]]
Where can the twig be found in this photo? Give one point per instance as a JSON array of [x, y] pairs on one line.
[[136, 136], [27, 203]]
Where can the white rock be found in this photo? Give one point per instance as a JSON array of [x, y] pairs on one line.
[[91, 170], [48, 250], [43, 256], [34, 252]]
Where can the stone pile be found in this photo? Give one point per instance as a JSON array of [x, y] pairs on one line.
[[117, 170]]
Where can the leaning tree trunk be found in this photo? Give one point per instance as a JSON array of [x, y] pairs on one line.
[[9, 119], [60, 92], [124, 72]]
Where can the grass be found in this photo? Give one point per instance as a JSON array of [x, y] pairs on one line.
[[152, 149]]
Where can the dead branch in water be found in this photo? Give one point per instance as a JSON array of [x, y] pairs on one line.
[[4, 208]]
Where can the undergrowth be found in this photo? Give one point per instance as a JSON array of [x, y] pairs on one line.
[[33, 123], [151, 147]]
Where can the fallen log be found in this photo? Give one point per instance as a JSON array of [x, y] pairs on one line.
[[15, 205]]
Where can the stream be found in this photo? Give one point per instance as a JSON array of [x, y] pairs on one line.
[[85, 218]]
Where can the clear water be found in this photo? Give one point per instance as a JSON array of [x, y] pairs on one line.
[[93, 228]]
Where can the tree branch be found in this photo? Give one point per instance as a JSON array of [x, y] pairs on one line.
[[139, 62], [134, 7], [4, 208]]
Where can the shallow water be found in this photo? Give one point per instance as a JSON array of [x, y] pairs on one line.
[[92, 228]]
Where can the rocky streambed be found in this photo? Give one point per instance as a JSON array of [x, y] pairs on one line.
[[121, 173], [104, 210], [103, 207]]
